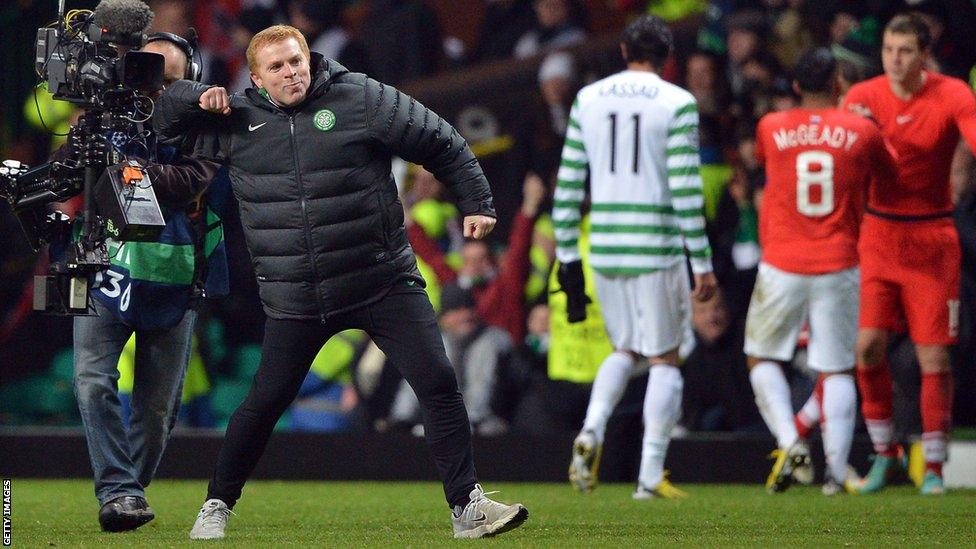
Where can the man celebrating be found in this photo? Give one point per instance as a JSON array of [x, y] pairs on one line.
[[637, 135], [309, 151], [909, 247], [819, 161]]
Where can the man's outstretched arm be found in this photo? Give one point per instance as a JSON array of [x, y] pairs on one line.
[[188, 107], [417, 134]]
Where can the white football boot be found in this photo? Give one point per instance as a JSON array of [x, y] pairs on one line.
[[584, 468]]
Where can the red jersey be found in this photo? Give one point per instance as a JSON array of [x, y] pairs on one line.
[[923, 131], [819, 163]]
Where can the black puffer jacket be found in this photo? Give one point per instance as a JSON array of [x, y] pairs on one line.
[[318, 204]]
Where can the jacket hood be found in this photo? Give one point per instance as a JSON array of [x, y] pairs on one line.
[[323, 71]]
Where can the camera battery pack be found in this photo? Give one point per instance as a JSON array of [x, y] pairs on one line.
[[125, 199], [61, 295]]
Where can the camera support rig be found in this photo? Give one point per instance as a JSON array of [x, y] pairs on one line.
[[64, 290]]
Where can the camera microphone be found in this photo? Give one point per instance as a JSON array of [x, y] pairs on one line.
[[124, 20]]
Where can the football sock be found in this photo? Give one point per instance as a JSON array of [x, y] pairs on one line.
[[876, 402], [662, 407], [773, 398], [936, 400], [810, 414], [608, 387], [839, 410]]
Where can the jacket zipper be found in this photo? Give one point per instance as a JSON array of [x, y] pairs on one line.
[[305, 228]]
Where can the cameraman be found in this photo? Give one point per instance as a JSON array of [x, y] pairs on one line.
[[150, 289]]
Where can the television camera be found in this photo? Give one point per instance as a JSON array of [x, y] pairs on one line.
[[87, 58]]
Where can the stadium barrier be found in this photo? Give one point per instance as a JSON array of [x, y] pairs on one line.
[[54, 452], [715, 457]]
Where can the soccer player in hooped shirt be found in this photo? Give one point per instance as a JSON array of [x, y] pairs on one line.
[[819, 161], [637, 137], [909, 247]]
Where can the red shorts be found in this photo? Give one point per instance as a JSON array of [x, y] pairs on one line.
[[910, 274]]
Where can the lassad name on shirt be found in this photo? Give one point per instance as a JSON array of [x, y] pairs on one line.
[[627, 90]]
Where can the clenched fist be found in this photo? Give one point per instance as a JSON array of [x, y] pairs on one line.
[[215, 100], [478, 226]]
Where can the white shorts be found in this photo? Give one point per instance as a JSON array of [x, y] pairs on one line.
[[781, 303], [648, 313]]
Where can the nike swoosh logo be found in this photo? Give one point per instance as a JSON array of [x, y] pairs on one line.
[[482, 518], [903, 118], [251, 128]]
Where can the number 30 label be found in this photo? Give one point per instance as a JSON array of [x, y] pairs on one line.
[[115, 289]]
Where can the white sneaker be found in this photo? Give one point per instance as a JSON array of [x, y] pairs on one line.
[[584, 467], [483, 517], [211, 521]]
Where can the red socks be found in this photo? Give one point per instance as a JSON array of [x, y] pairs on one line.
[[811, 413], [877, 394], [936, 403]]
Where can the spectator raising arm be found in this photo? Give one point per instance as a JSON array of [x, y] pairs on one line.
[[502, 301], [499, 295]]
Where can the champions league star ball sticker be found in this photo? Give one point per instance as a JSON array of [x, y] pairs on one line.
[[324, 120]]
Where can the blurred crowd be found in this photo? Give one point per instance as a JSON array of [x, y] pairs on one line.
[[522, 368]]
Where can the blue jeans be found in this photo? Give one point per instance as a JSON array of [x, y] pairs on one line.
[[125, 460]]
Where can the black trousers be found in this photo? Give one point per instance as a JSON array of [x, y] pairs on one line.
[[403, 325]]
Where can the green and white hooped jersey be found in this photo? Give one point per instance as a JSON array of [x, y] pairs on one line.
[[637, 138]]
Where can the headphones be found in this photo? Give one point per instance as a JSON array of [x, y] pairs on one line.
[[194, 69]]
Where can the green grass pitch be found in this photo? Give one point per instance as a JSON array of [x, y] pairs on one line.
[[62, 513]]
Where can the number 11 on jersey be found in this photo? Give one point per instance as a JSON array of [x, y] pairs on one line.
[[613, 141]]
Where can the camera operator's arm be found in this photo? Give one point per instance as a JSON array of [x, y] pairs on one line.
[[182, 180]]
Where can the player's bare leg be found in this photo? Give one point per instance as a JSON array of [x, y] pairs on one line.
[[792, 455], [608, 387], [877, 394], [936, 404], [662, 407]]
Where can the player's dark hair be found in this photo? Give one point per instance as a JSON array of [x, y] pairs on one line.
[[647, 38], [911, 23], [816, 71], [852, 73]]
